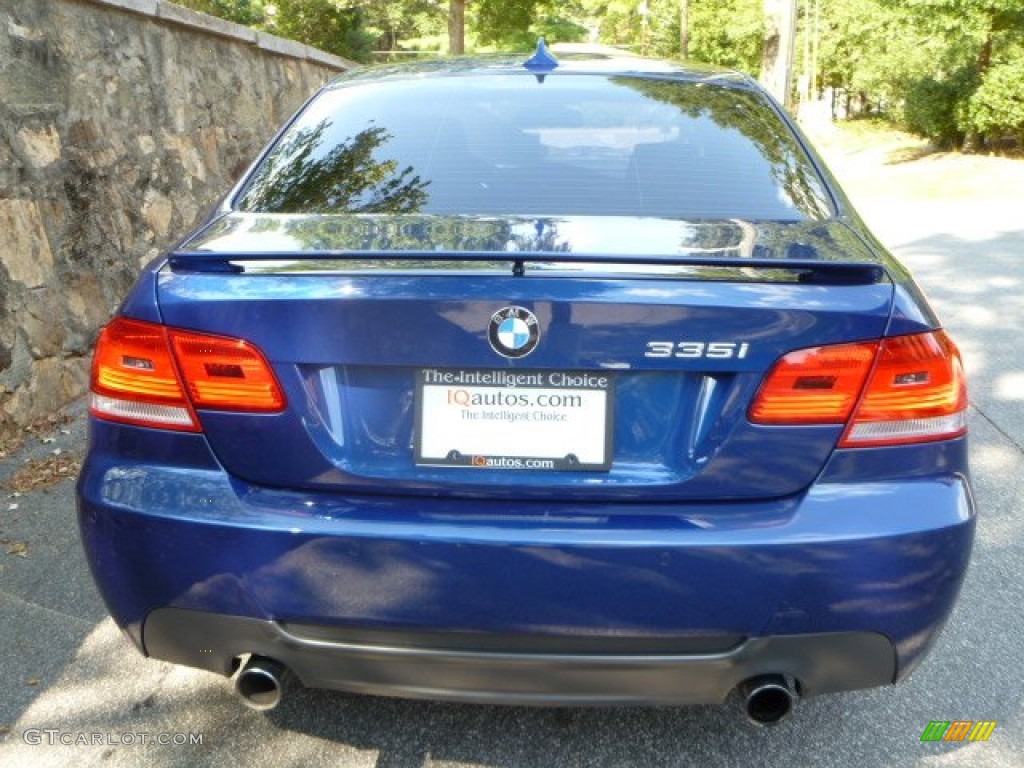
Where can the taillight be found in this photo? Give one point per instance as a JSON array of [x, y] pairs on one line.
[[904, 389], [917, 392], [135, 380], [814, 386], [226, 374], [147, 374]]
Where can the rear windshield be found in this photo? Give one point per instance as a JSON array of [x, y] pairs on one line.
[[516, 145]]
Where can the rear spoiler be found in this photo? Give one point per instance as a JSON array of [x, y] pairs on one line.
[[809, 270]]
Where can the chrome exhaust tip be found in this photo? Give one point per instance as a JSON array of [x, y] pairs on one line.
[[260, 683], [767, 699]]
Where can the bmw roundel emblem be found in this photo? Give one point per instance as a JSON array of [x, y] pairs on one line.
[[513, 332]]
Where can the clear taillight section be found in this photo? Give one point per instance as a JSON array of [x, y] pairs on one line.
[[917, 392]]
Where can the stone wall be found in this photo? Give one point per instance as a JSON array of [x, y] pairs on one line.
[[121, 123]]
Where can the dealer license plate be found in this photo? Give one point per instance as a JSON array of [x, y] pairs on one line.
[[525, 420]]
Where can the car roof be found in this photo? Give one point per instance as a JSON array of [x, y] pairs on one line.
[[572, 59]]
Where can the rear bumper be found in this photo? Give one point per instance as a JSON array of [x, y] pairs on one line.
[[845, 586], [823, 663]]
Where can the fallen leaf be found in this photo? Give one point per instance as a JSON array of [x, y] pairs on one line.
[[43, 473], [19, 548]]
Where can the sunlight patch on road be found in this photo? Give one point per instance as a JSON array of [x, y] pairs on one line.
[[992, 458], [110, 689], [1010, 386], [979, 317]]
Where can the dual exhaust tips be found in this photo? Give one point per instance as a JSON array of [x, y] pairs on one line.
[[766, 699]]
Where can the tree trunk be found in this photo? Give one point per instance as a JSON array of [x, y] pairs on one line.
[[456, 26], [684, 29]]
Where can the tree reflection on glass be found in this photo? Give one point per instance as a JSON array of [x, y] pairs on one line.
[[542, 237], [745, 113], [297, 177]]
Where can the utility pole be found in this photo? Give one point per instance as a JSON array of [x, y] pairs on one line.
[[777, 56]]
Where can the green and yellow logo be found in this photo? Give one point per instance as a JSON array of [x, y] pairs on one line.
[[958, 730]]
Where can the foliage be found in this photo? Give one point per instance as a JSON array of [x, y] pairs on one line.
[[934, 108], [927, 60], [724, 32], [516, 24], [335, 26], [248, 12], [728, 33], [391, 24], [996, 109], [499, 19], [947, 69]]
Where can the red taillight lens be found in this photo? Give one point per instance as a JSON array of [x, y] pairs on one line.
[[904, 389], [134, 378], [147, 374], [226, 374], [814, 386], [917, 392]]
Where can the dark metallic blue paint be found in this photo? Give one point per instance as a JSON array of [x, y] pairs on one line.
[[706, 524], [887, 554], [364, 325]]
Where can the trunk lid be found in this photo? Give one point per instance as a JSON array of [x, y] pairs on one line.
[[405, 347]]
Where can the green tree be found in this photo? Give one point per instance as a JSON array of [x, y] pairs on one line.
[[335, 26], [723, 32], [388, 24], [996, 108], [498, 20], [516, 24], [922, 61], [867, 49], [248, 12], [727, 33], [925, 59], [979, 33]]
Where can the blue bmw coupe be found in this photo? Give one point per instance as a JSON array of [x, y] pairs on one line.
[[565, 382]]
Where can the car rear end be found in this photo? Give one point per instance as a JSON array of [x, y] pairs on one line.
[[574, 387]]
